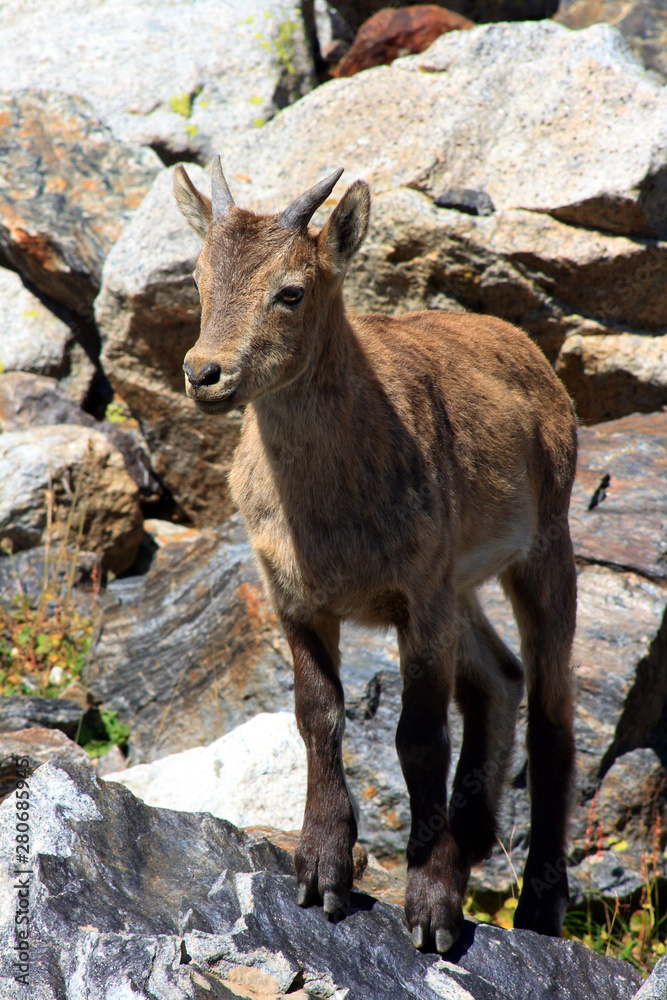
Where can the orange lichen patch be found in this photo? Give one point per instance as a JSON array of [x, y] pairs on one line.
[[251, 983], [39, 248], [370, 791], [55, 184], [392, 819], [242, 177], [285, 839]]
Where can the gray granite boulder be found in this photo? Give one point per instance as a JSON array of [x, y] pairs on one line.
[[35, 401]]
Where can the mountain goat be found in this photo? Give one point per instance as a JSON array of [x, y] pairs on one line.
[[387, 467]]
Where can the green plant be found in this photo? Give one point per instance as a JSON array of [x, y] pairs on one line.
[[635, 932], [44, 638]]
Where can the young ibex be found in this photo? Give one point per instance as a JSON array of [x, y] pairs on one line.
[[387, 467]]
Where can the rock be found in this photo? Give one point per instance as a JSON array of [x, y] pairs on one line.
[[356, 12], [253, 776], [168, 533], [655, 987], [604, 878], [190, 650], [68, 187], [439, 135], [112, 762], [398, 32], [627, 527], [28, 749], [334, 34], [28, 400], [643, 24], [552, 279], [465, 200], [66, 459], [70, 569], [173, 76], [148, 316], [110, 908], [36, 714], [613, 375], [33, 339], [631, 796]]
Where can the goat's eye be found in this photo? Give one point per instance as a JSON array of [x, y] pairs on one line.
[[290, 295]]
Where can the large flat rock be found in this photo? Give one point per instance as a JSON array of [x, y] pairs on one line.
[[165, 904], [501, 107], [173, 74]]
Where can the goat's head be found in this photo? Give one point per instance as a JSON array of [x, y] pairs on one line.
[[266, 283]]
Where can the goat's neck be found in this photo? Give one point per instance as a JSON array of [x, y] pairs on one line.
[[316, 408]]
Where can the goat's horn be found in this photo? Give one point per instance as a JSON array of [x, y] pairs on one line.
[[221, 197], [298, 214]]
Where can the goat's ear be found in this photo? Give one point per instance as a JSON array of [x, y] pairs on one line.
[[347, 226], [196, 207]]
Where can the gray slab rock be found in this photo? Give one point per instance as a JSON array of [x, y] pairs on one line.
[[148, 316], [33, 339], [626, 528], [31, 400], [655, 987], [500, 108], [190, 650], [174, 74], [64, 456], [68, 188], [112, 905]]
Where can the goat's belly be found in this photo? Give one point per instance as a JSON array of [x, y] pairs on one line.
[[491, 557]]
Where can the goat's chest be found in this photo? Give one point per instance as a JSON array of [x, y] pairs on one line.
[[333, 540]]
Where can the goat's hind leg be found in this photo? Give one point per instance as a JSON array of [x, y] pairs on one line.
[[543, 591], [489, 687], [436, 881], [323, 858]]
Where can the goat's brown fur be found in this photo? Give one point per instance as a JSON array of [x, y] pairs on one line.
[[387, 467]]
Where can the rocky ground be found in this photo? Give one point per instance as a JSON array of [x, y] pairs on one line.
[[518, 168]]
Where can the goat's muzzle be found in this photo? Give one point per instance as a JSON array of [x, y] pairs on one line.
[[208, 375]]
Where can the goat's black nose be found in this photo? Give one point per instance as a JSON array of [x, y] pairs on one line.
[[209, 374]]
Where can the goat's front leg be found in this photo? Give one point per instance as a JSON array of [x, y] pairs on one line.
[[323, 858], [437, 875]]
